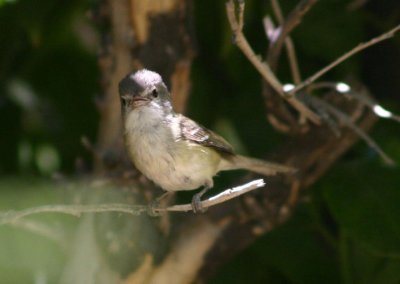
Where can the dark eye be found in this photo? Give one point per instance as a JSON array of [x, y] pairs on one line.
[[155, 93], [125, 100]]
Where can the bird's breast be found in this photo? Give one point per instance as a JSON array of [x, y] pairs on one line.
[[160, 154]]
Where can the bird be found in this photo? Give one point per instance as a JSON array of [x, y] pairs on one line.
[[172, 150]]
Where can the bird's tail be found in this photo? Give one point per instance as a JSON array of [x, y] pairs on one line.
[[265, 168]]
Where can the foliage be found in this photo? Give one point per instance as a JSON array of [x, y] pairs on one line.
[[48, 81]]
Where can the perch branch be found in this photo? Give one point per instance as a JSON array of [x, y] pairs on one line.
[[236, 23], [219, 198], [345, 56], [76, 209]]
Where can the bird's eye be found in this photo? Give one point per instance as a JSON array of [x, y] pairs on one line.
[[155, 93], [125, 100]]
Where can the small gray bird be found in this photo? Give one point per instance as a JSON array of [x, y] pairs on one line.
[[170, 149]]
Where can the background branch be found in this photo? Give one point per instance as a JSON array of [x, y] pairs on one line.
[[278, 112], [236, 23], [286, 27], [345, 56]]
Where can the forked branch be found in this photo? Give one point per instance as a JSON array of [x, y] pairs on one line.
[[236, 23], [286, 27]]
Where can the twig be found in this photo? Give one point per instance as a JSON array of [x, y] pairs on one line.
[[362, 98], [236, 23], [76, 210], [291, 52], [237, 27], [286, 27], [41, 229], [346, 120], [345, 56], [294, 64]]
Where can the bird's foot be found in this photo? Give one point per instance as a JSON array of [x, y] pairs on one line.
[[153, 208], [197, 206]]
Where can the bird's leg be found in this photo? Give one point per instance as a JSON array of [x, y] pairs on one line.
[[196, 200], [153, 205]]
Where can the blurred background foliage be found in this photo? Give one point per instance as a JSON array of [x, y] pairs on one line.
[[346, 231]]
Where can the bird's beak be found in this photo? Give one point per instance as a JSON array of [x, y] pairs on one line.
[[138, 101], [131, 102]]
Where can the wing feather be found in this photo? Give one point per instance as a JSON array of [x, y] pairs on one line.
[[197, 133]]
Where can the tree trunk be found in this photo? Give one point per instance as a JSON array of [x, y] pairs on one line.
[[148, 34]]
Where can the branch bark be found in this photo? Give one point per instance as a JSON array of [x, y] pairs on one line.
[[115, 63], [144, 33], [278, 113], [236, 23], [291, 22]]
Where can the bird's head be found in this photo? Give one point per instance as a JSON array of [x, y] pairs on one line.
[[143, 88]]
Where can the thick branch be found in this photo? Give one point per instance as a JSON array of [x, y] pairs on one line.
[[115, 63]]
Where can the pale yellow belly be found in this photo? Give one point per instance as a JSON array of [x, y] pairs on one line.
[[184, 166]]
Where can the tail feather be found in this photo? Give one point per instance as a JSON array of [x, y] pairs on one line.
[[265, 168]]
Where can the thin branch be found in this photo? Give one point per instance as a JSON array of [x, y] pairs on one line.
[[236, 23], [290, 50], [283, 36], [287, 26], [221, 197], [74, 210], [41, 229], [277, 11], [346, 120], [11, 217], [345, 56], [367, 101], [292, 58]]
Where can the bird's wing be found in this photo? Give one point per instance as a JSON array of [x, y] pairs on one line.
[[197, 133]]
